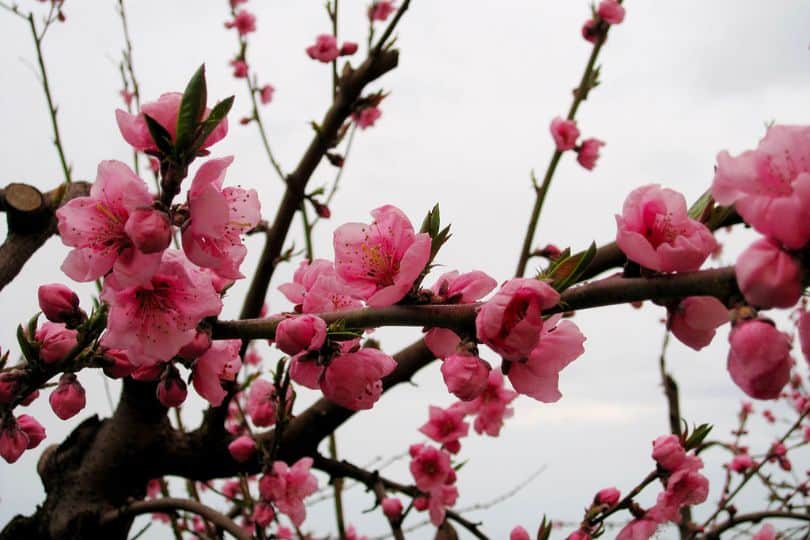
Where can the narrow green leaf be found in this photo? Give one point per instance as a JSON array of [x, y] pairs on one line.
[[697, 437], [218, 114], [162, 138], [192, 107], [25, 346]]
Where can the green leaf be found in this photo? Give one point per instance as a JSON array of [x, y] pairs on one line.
[[697, 436], [25, 346], [544, 531], [192, 108], [218, 114], [162, 138], [701, 204], [567, 269]]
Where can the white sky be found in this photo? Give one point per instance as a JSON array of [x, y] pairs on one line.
[[478, 83]]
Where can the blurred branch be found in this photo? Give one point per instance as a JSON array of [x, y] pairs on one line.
[[754, 517]]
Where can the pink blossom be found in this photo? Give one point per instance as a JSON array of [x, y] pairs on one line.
[[119, 365], [440, 498], [325, 49], [668, 452], [95, 227], [243, 21], [588, 152], [455, 288], [382, 260], [240, 68], [171, 390], [149, 229], [366, 117], [287, 487], [242, 448], [445, 425], [511, 321], [392, 508], [348, 48], [609, 496], [769, 277], [164, 111], [741, 463], [559, 345], [13, 441], [300, 334], [491, 407], [32, 429], [638, 529], [219, 363], [466, 376], [759, 359], [565, 134], [152, 322], [266, 93], [317, 289], [429, 466], [211, 237], [519, 533], [196, 347], [803, 327], [442, 342], [590, 31], [695, 320], [262, 403], [766, 532], [611, 11], [263, 514], [685, 487], [380, 10], [353, 380], [58, 303], [55, 341], [68, 398], [655, 231], [770, 186], [305, 372]]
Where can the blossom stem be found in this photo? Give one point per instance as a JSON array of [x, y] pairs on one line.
[[129, 75], [170, 504], [580, 94], [57, 139]]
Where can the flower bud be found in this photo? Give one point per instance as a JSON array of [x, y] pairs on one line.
[[55, 341], [68, 397], [392, 508], [13, 441], [609, 496], [32, 429], [767, 276], [299, 334], [59, 304], [242, 448], [171, 390], [149, 229], [466, 376], [263, 514], [348, 48]]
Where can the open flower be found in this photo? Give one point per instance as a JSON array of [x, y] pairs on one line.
[[655, 231], [381, 260], [218, 218]]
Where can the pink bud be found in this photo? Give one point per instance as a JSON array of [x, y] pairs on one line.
[[29, 398], [565, 134], [392, 508], [13, 441], [149, 230], [58, 302], [32, 429], [611, 11], [266, 93], [325, 48], [466, 376], [609, 496], [242, 448], [55, 341], [120, 367], [420, 504], [299, 334], [263, 514], [668, 452], [68, 398], [590, 31], [759, 359], [767, 276], [171, 390], [240, 68], [380, 10], [519, 533], [348, 48], [8, 386], [695, 319], [741, 463], [588, 153]]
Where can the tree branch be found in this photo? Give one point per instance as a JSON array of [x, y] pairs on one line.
[[753, 517]]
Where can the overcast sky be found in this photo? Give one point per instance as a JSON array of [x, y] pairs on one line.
[[467, 119]]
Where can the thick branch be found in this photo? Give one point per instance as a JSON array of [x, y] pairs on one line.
[[719, 282], [20, 245], [350, 88]]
